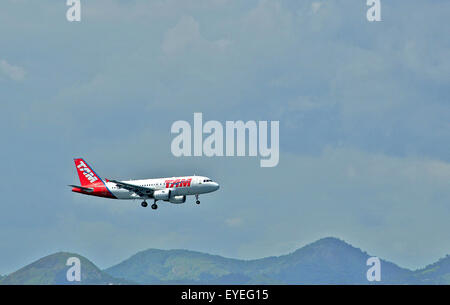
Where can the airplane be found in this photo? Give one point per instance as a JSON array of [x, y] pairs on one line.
[[173, 189]]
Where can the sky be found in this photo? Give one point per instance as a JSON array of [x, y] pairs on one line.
[[363, 110]]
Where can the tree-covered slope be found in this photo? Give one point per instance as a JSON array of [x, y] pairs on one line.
[[52, 269], [327, 261]]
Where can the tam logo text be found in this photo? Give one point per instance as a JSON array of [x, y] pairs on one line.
[[178, 183], [82, 167]]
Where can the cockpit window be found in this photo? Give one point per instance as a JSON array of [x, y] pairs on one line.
[[207, 180]]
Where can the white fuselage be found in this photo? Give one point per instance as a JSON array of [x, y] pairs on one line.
[[179, 186]]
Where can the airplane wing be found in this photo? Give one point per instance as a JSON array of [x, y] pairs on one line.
[[140, 190]]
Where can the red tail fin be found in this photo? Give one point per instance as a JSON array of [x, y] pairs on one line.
[[86, 173]]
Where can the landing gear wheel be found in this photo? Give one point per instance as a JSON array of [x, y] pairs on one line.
[[154, 206], [197, 202], [144, 204]]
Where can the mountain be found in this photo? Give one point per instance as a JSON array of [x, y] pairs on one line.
[[175, 266], [437, 273], [326, 261], [51, 270]]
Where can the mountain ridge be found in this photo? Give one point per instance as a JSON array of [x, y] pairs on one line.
[[328, 260], [52, 269]]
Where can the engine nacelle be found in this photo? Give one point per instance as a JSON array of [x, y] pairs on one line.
[[177, 199], [162, 195]]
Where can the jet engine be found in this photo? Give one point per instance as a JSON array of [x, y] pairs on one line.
[[162, 195], [177, 199]]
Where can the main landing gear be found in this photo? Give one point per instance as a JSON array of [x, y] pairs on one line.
[[197, 201], [145, 204], [154, 206]]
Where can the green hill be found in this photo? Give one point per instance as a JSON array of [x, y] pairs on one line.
[[51, 270], [327, 261], [437, 273], [177, 266]]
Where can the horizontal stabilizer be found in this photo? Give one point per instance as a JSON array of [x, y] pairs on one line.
[[86, 189]]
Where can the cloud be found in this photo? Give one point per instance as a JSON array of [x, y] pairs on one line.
[[186, 35], [310, 197], [12, 72], [363, 111], [315, 6], [185, 32], [234, 221]]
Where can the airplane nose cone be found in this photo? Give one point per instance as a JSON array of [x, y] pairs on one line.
[[216, 186]]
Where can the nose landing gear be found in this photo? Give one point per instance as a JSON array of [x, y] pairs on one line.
[[197, 201]]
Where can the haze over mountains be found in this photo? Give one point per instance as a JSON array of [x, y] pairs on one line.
[[326, 261]]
